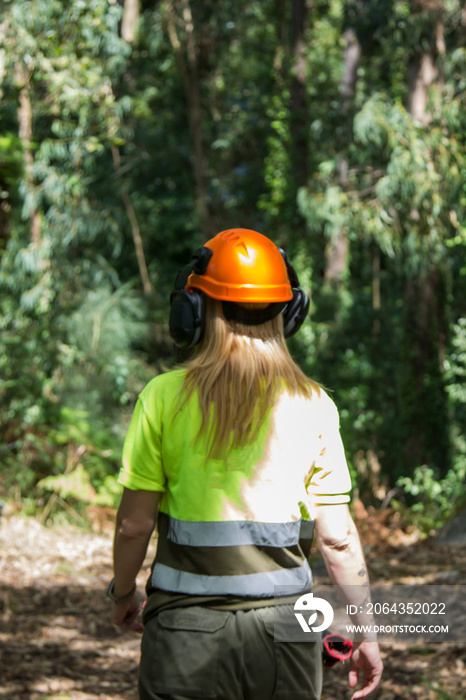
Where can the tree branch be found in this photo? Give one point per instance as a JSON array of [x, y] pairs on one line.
[[136, 233]]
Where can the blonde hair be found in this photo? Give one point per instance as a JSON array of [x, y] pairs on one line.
[[239, 372]]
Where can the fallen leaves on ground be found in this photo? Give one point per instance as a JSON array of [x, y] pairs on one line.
[[56, 639]]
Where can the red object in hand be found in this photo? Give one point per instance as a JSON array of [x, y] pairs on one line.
[[336, 648]]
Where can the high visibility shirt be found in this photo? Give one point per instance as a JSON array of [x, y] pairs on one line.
[[239, 526]]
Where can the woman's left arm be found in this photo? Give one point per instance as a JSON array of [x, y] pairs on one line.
[[341, 549], [135, 522]]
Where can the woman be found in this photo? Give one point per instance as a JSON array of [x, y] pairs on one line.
[[236, 455]]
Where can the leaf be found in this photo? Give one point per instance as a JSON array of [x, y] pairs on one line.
[[76, 485]]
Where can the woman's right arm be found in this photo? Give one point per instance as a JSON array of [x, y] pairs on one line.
[[135, 522]]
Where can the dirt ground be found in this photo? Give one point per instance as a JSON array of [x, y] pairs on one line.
[[56, 640]]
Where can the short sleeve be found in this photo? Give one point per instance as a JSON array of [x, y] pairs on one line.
[[142, 467], [329, 480]]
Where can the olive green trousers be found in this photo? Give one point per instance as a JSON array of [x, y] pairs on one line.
[[198, 652]]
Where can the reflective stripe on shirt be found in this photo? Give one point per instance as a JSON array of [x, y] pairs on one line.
[[238, 532], [258, 585], [232, 567]]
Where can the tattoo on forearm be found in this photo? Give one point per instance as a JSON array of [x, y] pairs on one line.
[[362, 571]]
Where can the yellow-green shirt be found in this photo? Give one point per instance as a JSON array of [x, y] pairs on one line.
[[235, 526]]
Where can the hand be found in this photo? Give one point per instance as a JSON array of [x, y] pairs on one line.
[[124, 614], [365, 658]]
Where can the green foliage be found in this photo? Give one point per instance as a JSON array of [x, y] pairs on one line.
[[417, 198], [111, 154], [101, 333], [10, 159], [456, 364], [77, 487], [393, 191], [76, 484], [432, 500], [277, 163], [455, 371]]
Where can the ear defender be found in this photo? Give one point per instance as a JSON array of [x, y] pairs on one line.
[[187, 308], [246, 267], [296, 310], [186, 318]]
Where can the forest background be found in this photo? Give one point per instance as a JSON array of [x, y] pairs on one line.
[[131, 132]]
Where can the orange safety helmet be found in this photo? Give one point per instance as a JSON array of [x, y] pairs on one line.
[[238, 266], [244, 266]]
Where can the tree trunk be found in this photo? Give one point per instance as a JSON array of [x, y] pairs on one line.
[[130, 20], [425, 294], [127, 29], [421, 75], [352, 58], [337, 250], [4, 203], [135, 231], [179, 13], [376, 293], [299, 125], [25, 134], [422, 70], [426, 435], [281, 44]]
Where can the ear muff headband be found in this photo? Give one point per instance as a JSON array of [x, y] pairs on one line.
[[187, 308]]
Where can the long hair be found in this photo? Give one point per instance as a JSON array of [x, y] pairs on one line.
[[239, 372]]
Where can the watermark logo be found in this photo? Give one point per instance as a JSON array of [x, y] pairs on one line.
[[308, 603], [418, 613]]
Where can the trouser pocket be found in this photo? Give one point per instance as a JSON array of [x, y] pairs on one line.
[[181, 650], [298, 664]]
